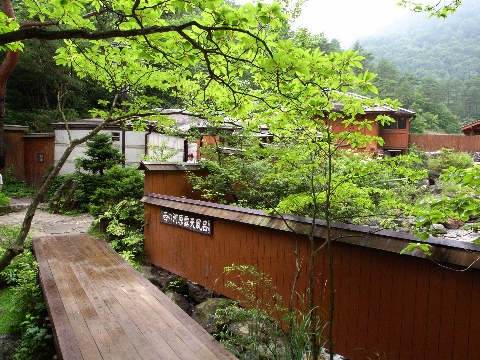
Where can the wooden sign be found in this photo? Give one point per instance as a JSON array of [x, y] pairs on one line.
[[188, 221]]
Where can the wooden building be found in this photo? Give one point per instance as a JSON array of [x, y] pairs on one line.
[[395, 135], [471, 129], [28, 155]]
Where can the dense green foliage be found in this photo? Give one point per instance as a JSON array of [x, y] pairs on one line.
[[368, 191], [447, 158], [29, 318], [13, 188], [100, 155], [119, 183], [123, 225], [260, 325]]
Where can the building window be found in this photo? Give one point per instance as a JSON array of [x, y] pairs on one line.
[[400, 123], [40, 157], [115, 136]]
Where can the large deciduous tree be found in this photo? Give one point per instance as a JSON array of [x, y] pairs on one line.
[[193, 49]]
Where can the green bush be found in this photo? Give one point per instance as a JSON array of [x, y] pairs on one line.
[[4, 200], [446, 158], [260, 326], [239, 180], [123, 226], [101, 155], [117, 184], [13, 188], [22, 276]]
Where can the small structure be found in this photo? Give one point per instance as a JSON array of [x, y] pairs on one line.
[[395, 135], [471, 129], [28, 155], [403, 306]]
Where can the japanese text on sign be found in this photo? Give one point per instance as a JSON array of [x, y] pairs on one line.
[[187, 221]]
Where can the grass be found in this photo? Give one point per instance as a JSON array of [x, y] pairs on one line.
[[10, 318]]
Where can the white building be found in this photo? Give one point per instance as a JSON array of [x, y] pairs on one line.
[[131, 143]]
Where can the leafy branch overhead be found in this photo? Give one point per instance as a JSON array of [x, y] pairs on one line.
[[440, 9], [151, 44]]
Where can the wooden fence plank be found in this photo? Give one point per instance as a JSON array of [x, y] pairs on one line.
[[408, 307], [374, 307], [447, 323], [474, 328], [385, 304], [396, 306], [462, 316], [434, 312]]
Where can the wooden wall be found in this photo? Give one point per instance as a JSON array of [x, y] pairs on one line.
[[39, 156], [437, 142], [29, 155], [15, 151], [388, 305], [170, 181]]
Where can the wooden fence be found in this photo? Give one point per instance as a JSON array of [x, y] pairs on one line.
[[437, 142], [388, 305]]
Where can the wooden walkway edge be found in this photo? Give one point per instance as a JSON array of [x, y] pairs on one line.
[[102, 308]]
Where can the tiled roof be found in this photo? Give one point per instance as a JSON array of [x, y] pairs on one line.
[[468, 126]]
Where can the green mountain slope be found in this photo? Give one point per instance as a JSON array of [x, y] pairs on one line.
[[443, 48]]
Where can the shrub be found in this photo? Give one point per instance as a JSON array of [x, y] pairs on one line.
[[117, 184], [101, 155], [123, 225], [262, 328], [3, 199], [13, 188], [446, 158], [22, 276]]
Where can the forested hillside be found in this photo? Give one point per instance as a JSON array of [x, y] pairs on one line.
[[432, 66]]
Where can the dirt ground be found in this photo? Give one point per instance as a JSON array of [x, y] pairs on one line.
[[44, 222]]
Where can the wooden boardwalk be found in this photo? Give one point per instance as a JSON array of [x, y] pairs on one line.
[[102, 308]]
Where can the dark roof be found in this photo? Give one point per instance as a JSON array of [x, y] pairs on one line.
[[471, 125], [377, 108], [162, 166], [183, 119]]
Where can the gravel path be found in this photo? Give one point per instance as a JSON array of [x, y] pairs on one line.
[[45, 222]]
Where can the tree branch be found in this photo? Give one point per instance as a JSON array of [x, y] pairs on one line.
[[44, 34]]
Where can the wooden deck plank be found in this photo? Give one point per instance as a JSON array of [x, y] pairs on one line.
[[102, 320], [134, 324], [68, 348], [102, 308], [71, 311], [136, 279], [94, 258], [129, 316], [186, 343], [79, 308]]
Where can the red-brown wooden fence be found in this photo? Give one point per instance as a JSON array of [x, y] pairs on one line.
[[437, 142], [388, 305]]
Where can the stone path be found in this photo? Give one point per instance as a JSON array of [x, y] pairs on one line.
[[45, 222]]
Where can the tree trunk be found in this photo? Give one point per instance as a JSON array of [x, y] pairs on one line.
[[6, 69]]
